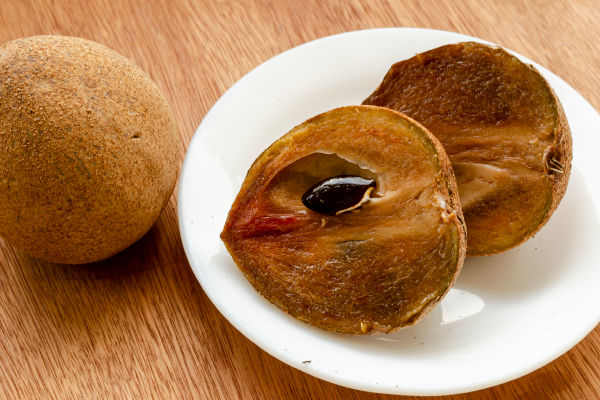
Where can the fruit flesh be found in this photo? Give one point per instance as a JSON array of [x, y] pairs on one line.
[[497, 119], [377, 268]]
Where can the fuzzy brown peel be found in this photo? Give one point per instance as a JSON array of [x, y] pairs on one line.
[[89, 145]]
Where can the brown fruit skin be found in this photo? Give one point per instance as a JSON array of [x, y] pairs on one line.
[[454, 111], [260, 257], [562, 151], [90, 149]]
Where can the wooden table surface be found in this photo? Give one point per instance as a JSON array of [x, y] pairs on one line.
[[139, 325]]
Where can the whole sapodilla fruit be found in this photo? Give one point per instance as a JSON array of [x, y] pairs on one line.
[[89, 149]]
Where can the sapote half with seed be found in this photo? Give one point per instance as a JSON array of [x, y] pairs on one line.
[[503, 129], [378, 267]]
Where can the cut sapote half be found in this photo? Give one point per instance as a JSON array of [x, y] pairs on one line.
[[503, 129], [381, 265]]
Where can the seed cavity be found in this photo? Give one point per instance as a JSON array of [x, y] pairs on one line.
[[338, 194]]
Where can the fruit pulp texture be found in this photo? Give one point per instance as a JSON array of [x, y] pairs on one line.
[[377, 267], [496, 119]]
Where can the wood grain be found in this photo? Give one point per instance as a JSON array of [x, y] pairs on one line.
[[138, 325]]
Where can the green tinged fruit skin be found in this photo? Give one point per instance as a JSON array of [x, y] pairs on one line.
[[377, 268], [90, 149]]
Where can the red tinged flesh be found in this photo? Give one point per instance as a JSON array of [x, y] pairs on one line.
[[379, 267]]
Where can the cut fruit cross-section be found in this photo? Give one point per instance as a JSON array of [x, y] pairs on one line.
[[378, 267]]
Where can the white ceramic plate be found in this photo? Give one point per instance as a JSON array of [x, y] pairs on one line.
[[507, 314]]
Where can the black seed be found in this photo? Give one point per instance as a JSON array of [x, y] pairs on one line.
[[336, 194]]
